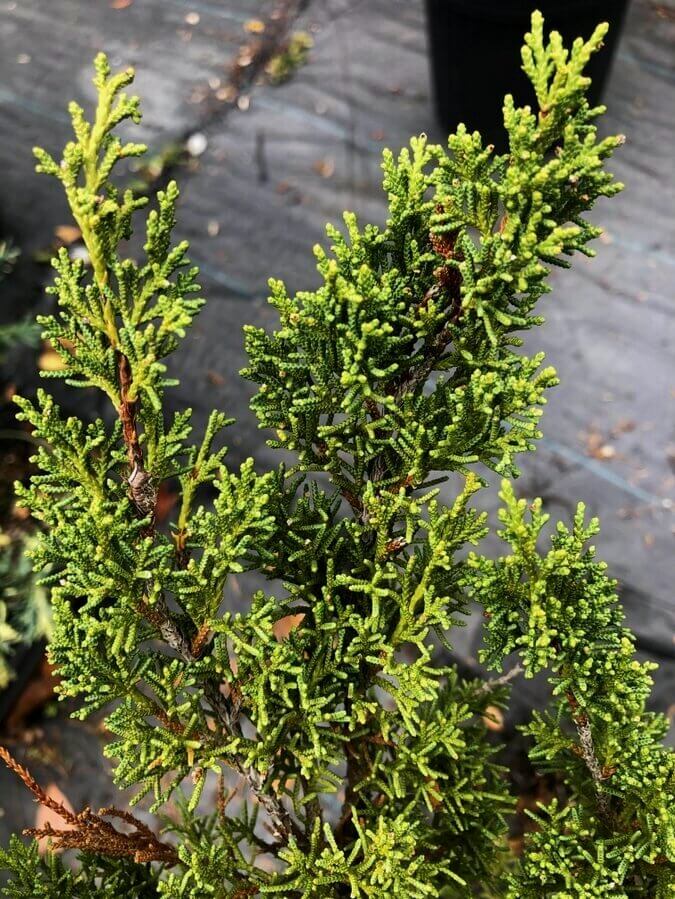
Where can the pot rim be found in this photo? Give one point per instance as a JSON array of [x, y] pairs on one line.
[[518, 10]]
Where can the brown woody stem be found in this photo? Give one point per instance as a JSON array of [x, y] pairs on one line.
[[587, 752], [141, 489], [144, 496]]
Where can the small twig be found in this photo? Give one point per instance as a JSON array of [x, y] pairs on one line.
[[281, 822], [448, 282], [89, 831], [144, 496], [200, 639], [489, 685], [158, 615], [587, 752], [35, 788], [141, 489]]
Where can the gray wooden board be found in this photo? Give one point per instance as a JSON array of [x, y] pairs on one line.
[[273, 174], [46, 50]]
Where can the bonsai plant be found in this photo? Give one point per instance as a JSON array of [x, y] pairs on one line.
[[359, 765]]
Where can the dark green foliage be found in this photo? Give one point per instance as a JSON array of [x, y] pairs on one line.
[[561, 613], [17, 333], [24, 611], [363, 765], [95, 878], [24, 608], [8, 256]]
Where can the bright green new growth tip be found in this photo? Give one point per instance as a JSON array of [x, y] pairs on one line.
[[361, 761]]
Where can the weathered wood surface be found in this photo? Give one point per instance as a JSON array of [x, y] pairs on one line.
[[294, 156]]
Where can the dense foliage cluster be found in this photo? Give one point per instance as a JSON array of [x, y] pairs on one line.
[[24, 607], [559, 611], [361, 763], [24, 610]]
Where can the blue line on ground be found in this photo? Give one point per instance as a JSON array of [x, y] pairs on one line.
[[9, 96], [602, 471], [238, 288]]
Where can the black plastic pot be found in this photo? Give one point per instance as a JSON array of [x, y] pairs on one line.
[[475, 54]]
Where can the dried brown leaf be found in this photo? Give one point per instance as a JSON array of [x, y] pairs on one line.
[[283, 627], [493, 718], [67, 234]]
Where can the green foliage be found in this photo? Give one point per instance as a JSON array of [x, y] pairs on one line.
[[17, 333], [8, 256], [95, 878], [290, 58], [363, 765], [24, 608], [561, 613]]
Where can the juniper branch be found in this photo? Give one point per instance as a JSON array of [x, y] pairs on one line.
[[493, 683], [89, 831]]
